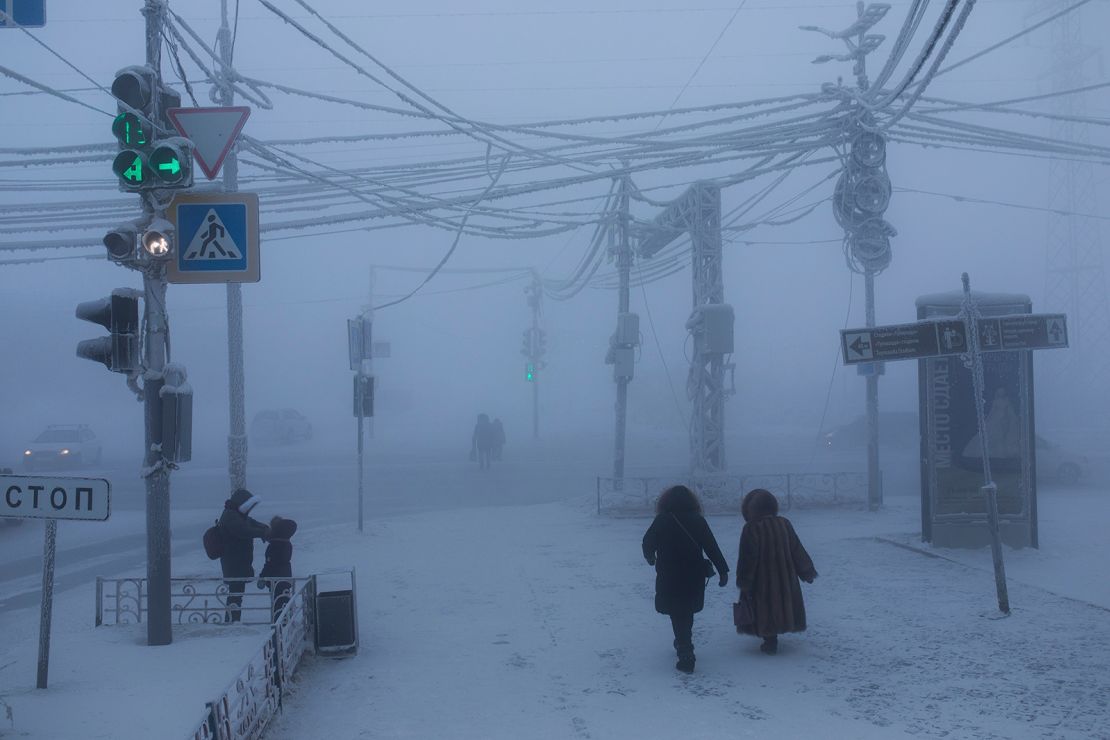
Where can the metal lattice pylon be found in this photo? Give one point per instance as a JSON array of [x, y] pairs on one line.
[[1075, 281], [697, 212]]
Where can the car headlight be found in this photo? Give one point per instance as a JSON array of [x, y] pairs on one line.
[[27, 453], [65, 451]]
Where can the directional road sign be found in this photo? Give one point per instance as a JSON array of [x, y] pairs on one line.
[[948, 336], [47, 497], [26, 13], [213, 132], [217, 238]]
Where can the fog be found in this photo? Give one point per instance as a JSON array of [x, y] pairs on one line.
[[455, 346]]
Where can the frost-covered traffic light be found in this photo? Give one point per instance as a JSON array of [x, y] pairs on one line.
[[119, 314], [149, 156]]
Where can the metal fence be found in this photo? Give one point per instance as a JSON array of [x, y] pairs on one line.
[[244, 709], [722, 494], [193, 599]]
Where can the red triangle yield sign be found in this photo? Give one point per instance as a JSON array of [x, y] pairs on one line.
[[212, 130]]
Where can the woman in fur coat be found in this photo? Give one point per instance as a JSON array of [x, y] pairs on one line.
[[771, 561]]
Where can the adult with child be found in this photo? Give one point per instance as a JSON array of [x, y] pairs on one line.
[[674, 544], [238, 533], [771, 562]]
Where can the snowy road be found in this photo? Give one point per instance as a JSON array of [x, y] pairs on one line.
[[537, 623]]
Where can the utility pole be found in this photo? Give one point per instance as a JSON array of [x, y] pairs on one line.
[[534, 298], [236, 377], [622, 371], [157, 474], [861, 197], [368, 315]]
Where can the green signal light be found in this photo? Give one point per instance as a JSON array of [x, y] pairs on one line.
[[167, 164], [530, 373], [129, 167], [128, 129]]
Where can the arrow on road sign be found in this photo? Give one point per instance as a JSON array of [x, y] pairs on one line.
[[213, 132]]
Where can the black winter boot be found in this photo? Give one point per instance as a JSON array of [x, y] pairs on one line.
[[685, 659], [770, 645]]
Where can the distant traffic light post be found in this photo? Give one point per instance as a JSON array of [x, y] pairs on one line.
[[534, 348]]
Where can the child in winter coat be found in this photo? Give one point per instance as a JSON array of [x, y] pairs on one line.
[[279, 563]]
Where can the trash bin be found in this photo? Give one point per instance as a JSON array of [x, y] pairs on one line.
[[337, 621]]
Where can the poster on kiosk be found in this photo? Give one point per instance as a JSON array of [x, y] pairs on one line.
[[953, 509]]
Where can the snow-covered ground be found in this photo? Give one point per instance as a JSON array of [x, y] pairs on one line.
[[536, 621]]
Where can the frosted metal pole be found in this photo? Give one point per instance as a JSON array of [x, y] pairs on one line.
[[990, 490], [47, 610], [236, 377], [360, 385], [874, 477], [159, 625], [624, 268]]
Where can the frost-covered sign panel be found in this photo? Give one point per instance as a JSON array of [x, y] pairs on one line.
[[46, 497], [217, 238], [25, 13]]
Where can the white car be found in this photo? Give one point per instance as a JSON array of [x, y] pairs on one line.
[[62, 446], [1054, 463]]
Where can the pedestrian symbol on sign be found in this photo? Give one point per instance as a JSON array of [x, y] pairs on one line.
[[211, 241]]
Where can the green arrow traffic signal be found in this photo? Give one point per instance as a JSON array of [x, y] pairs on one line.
[[130, 168], [167, 163]]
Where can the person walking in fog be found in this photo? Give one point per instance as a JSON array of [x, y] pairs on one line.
[[481, 442], [674, 544], [770, 563], [238, 532], [279, 563], [498, 439]]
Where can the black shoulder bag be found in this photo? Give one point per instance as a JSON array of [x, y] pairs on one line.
[[707, 564]]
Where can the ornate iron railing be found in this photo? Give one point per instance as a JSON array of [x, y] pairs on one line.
[[722, 494], [246, 706], [193, 600]]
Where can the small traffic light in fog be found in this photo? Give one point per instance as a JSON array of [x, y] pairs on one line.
[[119, 314], [530, 372]]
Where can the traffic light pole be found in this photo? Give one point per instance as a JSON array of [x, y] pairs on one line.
[[159, 623], [236, 377], [624, 269]]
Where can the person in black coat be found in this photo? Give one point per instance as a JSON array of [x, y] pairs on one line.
[[279, 563], [674, 544], [239, 532]]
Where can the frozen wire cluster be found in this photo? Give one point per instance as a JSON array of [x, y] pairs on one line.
[[528, 180]]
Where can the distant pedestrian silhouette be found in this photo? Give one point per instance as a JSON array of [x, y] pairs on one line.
[[481, 441]]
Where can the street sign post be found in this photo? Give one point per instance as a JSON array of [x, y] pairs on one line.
[[973, 335], [213, 132], [52, 498], [937, 337], [25, 13], [217, 238]]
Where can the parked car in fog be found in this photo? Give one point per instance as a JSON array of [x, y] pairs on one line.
[[896, 428], [62, 446], [280, 425], [1055, 463]]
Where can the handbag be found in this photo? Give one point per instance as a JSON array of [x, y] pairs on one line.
[[707, 565], [742, 615]]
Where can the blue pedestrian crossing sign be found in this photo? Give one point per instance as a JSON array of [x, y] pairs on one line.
[[217, 238]]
